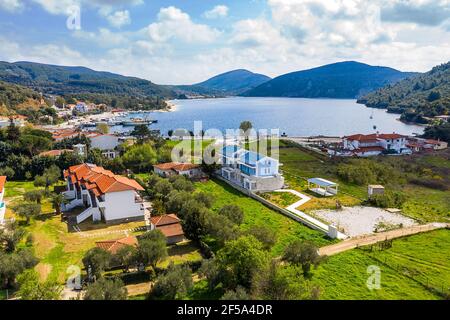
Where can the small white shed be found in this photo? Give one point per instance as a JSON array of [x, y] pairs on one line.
[[373, 189]]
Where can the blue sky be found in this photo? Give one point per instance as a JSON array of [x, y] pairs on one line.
[[187, 41]]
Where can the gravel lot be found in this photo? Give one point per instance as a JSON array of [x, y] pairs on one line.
[[356, 221]]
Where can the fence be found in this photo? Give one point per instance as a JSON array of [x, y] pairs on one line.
[[273, 206]]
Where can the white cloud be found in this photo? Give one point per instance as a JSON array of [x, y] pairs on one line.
[[292, 35], [11, 5], [106, 6], [104, 37], [119, 19], [58, 6], [175, 24], [45, 53], [218, 11], [425, 12]]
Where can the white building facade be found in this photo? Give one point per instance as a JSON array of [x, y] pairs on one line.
[[103, 195], [372, 145], [250, 170]]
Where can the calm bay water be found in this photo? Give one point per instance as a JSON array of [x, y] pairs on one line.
[[294, 116]]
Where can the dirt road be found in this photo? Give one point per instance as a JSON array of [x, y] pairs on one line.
[[371, 239]]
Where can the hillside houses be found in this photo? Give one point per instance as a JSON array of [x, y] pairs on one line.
[[107, 143], [102, 195], [366, 145], [17, 120]]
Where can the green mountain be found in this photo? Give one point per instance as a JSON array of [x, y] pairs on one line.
[[416, 98], [84, 83], [230, 83], [338, 80]]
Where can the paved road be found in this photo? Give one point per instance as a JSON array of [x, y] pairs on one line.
[[371, 239]]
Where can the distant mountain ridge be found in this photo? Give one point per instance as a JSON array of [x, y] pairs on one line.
[[347, 80], [233, 82], [425, 95]]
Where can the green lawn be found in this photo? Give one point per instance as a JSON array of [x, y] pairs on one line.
[[407, 270], [422, 203], [57, 249], [256, 213]]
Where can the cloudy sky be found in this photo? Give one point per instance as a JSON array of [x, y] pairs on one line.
[[187, 41]]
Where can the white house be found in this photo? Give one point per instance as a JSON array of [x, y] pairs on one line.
[[80, 149], [81, 107], [107, 143], [2, 193], [250, 170], [420, 144], [374, 144], [103, 195]]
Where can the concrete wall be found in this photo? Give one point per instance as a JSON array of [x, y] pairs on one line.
[[120, 205], [274, 207]]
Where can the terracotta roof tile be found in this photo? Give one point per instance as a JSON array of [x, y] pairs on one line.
[[164, 220], [176, 166], [54, 153], [2, 183], [171, 230], [104, 180], [114, 245]]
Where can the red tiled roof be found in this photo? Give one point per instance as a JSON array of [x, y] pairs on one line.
[[171, 230], [54, 153], [431, 141], [373, 137], [2, 183], [390, 136], [164, 220], [176, 166], [99, 179], [114, 245]]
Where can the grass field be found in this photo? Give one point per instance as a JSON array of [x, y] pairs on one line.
[[57, 249], [416, 267], [422, 203], [256, 213]]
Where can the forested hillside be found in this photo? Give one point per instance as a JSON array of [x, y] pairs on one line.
[[87, 84], [229, 83], [343, 80], [15, 99], [425, 95]]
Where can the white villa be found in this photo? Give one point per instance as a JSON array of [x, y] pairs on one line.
[[2, 193], [103, 195], [250, 170], [107, 143], [372, 144]]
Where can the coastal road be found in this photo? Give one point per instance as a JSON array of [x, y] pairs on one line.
[[375, 238]]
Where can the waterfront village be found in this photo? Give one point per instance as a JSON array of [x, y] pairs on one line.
[[111, 192]]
